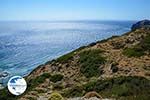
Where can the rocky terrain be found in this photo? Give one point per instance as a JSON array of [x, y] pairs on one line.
[[115, 68]]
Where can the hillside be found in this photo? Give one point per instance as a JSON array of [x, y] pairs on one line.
[[117, 68]]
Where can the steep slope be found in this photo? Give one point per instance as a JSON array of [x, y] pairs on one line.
[[118, 67]]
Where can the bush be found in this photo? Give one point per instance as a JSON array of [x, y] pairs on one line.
[[41, 78], [138, 50], [121, 86], [38, 80], [56, 96], [90, 61], [46, 75], [6, 95], [121, 90], [75, 91], [89, 86], [133, 52], [145, 44], [56, 77], [65, 58], [138, 97]]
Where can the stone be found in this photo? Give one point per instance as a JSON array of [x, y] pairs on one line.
[[92, 94]]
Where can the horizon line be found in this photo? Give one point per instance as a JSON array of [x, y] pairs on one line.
[[69, 20]]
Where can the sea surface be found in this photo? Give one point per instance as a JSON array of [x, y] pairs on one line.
[[26, 44]]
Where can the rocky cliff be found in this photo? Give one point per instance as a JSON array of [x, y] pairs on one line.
[[141, 24]]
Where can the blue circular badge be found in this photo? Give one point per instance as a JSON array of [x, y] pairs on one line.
[[17, 85]]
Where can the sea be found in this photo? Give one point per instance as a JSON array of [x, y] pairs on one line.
[[26, 44]]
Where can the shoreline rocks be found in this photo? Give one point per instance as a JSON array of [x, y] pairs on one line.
[[3, 74]]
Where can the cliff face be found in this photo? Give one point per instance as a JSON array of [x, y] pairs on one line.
[[118, 67]]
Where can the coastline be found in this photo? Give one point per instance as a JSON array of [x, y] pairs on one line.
[[80, 48]]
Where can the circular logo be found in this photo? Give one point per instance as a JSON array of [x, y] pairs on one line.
[[17, 85]]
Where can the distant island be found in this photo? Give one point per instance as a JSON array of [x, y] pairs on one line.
[[114, 68]]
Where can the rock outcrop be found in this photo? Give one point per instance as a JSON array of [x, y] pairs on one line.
[[141, 24], [92, 94]]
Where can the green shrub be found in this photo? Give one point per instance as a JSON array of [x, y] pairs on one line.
[[75, 91], [89, 86], [56, 77], [133, 52], [38, 80], [46, 75], [41, 78], [121, 90], [145, 44], [56, 96], [137, 97], [139, 49], [6, 95], [65, 58], [121, 86], [90, 61]]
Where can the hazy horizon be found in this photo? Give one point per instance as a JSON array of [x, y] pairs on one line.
[[75, 20]]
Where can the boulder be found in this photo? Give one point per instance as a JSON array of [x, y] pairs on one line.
[[3, 74], [92, 94]]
